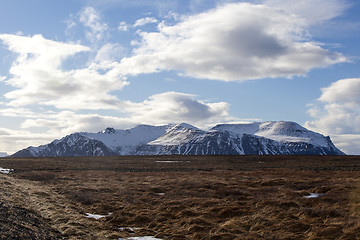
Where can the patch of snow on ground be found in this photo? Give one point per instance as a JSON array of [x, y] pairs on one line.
[[6, 170], [167, 161], [130, 230], [96, 216], [313, 195], [140, 238]]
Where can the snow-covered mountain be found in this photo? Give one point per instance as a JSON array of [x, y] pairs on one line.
[[273, 138]]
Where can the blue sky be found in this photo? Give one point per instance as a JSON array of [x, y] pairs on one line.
[[84, 65]]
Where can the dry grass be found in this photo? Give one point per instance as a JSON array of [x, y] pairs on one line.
[[208, 197]]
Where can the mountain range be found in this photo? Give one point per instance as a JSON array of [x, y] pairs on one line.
[[273, 138]]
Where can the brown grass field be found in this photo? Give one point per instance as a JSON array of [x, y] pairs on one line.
[[181, 197]]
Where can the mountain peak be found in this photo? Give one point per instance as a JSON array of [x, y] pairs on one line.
[[108, 130], [180, 126]]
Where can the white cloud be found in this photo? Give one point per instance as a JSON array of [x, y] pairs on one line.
[[14, 140], [3, 154], [97, 30], [340, 109], [17, 112], [5, 131], [110, 52], [123, 26], [70, 24], [312, 11], [338, 114], [164, 108], [42, 128], [39, 76], [178, 107], [67, 122], [196, 5], [237, 41], [348, 143], [55, 126], [345, 91], [144, 21]]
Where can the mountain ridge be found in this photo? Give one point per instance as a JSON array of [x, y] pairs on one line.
[[259, 138]]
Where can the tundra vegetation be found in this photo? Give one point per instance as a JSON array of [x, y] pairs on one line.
[[181, 197]]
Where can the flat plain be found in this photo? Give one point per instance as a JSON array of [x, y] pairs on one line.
[[181, 197]]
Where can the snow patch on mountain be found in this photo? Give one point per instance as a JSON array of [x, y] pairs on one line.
[[124, 141], [178, 134]]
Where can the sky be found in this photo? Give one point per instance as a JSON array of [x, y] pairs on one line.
[[84, 65]]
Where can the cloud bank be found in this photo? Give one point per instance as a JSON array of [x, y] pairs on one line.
[[337, 113], [143, 21]]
